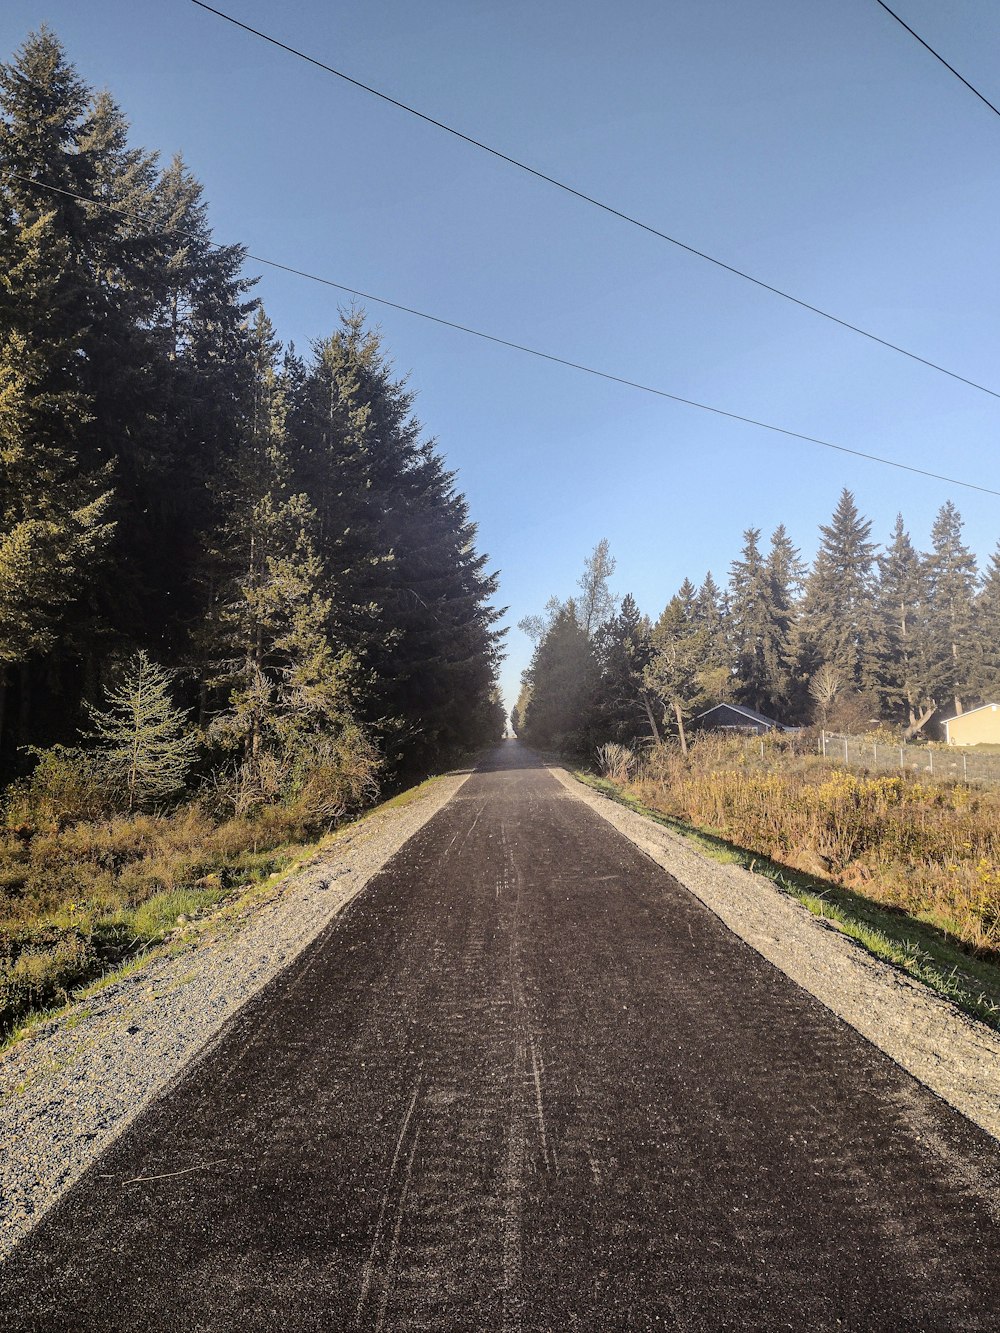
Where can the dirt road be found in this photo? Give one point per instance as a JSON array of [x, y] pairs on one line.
[[526, 1082]]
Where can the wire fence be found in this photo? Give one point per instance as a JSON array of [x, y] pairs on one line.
[[948, 764]]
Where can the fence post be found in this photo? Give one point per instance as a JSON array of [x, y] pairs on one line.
[[847, 762], [930, 756], [823, 742], [875, 754], [762, 749], [901, 764], [965, 768]]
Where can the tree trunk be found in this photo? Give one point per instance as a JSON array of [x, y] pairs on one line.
[[919, 721], [680, 728], [652, 720]]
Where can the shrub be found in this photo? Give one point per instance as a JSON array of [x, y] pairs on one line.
[[616, 762], [82, 886], [66, 785], [41, 974], [932, 849], [144, 750]]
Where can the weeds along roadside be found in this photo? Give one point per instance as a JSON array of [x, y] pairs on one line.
[[85, 899], [908, 869]]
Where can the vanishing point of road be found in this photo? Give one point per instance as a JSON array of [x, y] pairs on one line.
[[525, 1081]]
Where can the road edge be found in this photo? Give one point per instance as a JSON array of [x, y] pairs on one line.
[[950, 1053], [75, 1085]]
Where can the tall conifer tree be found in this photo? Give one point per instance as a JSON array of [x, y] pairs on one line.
[[902, 604], [838, 625], [54, 498], [952, 580]]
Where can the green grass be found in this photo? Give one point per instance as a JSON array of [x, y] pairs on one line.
[[919, 948], [109, 943]]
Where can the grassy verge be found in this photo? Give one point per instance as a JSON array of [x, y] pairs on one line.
[[922, 950], [84, 906]]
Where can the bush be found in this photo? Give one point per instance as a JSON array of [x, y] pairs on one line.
[[66, 785], [40, 973], [616, 762], [932, 849], [82, 886], [334, 777]]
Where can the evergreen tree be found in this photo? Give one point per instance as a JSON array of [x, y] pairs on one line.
[[676, 672], [623, 649], [838, 625], [952, 580], [711, 611], [54, 498], [786, 568], [786, 579], [902, 605], [760, 617], [519, 713], [285, 687], [986, 647], [537, 626], [146, 752], [562, 677], [409, 591], [169, 481]]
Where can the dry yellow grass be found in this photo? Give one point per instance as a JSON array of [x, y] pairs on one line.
[[929, 849]]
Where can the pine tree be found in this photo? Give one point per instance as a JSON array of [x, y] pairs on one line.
[[952, 580], [786, 573], [519, 713], [902, 606], [54, 498], [760, 617], [838, 624], [199, 337], [408, 589], [562, 676], [676, 673], [265, 645], [711, 611], [145, 749], [986, 648], [623, 648], [786, 568]]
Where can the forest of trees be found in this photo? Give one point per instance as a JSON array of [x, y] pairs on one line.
[[862, 636], [263, 539]]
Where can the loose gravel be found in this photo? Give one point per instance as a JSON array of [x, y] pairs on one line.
[[71, 1087], [949, 1052]]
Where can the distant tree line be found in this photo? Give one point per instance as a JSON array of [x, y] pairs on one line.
[[862, 635], [178, 491]]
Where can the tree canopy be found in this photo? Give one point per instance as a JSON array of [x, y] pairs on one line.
[[277, 533]]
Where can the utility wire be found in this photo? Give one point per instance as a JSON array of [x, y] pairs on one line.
[[596, 203], [936, 55], [522, 347]]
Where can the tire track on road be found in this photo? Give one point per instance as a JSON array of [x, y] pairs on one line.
[[529, 1083]]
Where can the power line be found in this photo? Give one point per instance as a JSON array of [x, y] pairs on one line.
[[596, 203], [522, 347], [935, 54]]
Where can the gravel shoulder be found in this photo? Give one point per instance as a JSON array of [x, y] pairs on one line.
[[72, 1087], [950, 1053]]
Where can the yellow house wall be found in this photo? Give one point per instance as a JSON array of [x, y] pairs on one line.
[[981, 728]]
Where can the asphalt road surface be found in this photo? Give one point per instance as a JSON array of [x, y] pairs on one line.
[[527, 1082]]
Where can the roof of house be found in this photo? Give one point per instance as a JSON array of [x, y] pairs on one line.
[[750, 713], [969, 711]]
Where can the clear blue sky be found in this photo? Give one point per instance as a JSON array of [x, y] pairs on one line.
[[815, 145]]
